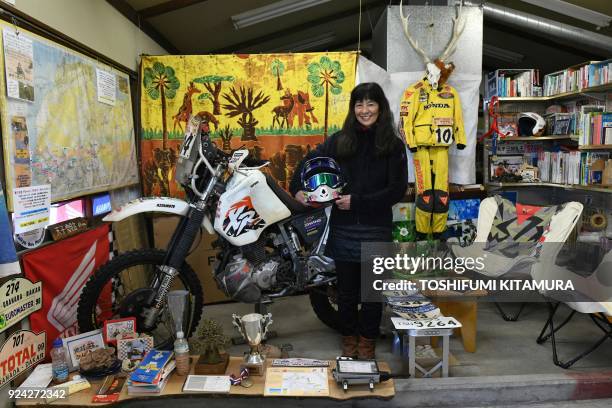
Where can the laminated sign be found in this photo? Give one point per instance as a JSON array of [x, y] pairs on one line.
[[19, 298], [20, 352]]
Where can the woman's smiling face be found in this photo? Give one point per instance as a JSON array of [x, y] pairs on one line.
[[366, 112]]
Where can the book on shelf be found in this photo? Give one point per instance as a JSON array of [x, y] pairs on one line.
[[513, 83], [593, 165], [564, 167], [559, 167], [596, 128], [599, 73], [606, 128], [559, 123], [577, 77]]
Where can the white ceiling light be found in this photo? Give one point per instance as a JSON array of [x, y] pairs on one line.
[[568, 9], [307, 44], [271, 11], [501, 54]]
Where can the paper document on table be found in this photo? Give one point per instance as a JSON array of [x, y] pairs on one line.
[[297, 382], [39, 378], [207, 383]]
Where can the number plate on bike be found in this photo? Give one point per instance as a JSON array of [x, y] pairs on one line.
[[437, 323], [191, 133]]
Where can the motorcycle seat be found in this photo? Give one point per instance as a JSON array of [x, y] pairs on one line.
[[291, 203]]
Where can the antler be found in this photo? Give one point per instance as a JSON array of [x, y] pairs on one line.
[[458, 27], [412, 42]]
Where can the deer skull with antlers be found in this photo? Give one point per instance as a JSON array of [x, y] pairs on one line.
[[438, 71]]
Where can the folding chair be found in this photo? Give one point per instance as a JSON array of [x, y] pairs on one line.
[[596, 287], [559, 228]]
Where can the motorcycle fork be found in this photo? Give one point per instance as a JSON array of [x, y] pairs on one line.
[[178, 248]]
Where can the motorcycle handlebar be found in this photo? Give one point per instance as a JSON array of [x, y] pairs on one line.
[[215, 155]]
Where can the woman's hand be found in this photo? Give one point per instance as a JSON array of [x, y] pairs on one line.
[[344, 202]]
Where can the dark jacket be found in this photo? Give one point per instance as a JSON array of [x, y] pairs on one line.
[[374, 183]]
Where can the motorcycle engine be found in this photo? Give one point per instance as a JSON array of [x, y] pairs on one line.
[[264, 274], [244, 282], [236, 280]]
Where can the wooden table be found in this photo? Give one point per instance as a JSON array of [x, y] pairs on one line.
[[173, 389]]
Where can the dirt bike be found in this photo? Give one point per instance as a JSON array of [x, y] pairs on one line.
[[270, 245]]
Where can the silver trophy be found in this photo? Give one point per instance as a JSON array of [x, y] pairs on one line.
[[253, 327]]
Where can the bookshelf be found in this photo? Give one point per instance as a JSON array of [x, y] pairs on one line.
[[535, 138], [577, 78], [514, 82], [564, 163], [565, 95], [595, 147], [601, 189]]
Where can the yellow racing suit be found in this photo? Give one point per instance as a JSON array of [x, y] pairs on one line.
[[430, 120]]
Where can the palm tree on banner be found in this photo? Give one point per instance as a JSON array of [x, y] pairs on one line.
[[325, 76], [160, 82], [278, 68]]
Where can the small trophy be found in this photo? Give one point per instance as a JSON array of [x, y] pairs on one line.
[[253, 327]]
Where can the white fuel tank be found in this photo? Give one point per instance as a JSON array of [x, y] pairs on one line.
[[247, 207]]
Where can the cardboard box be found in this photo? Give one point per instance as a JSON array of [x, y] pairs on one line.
[[200, 259]]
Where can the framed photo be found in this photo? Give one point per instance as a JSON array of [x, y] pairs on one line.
[[501, 166], [507, 124], [134, 349], [79, 345], [113, 328]]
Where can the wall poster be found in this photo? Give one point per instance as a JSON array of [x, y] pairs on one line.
[[277, 105]]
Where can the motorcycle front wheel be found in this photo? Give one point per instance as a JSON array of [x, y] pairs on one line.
[[120, 288]]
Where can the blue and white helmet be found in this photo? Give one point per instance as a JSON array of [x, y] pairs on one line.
[[322, 179]]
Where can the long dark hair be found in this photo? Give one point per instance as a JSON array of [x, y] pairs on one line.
[[385, 131]]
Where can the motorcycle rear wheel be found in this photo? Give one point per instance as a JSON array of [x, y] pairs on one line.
[[141, 264], [323, 302]]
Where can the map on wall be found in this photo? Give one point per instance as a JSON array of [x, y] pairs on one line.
[[61, 134]]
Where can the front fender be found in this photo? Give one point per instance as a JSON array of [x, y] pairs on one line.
[[165, 205]]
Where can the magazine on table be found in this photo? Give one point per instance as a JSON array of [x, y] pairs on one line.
[[135, 387], [151, 366]]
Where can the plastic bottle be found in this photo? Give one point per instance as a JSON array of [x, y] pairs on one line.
[[181, 354], [58, 362]]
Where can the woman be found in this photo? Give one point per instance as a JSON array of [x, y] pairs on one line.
[[373, 161]]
